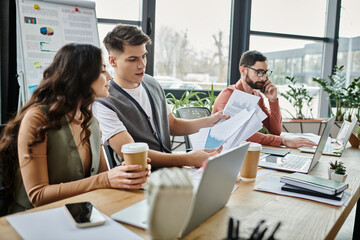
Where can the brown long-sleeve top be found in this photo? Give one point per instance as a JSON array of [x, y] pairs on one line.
[[273, 122], [34, 170]]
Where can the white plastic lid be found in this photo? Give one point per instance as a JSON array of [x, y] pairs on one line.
[[254, 147], [134, 147]]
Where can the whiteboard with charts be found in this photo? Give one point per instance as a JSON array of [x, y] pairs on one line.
[[43, 27]]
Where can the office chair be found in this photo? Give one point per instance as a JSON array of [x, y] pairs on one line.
[[109, 155], [3, 199], [192, 113]]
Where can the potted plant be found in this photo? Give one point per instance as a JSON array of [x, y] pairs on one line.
[[298, 96], [339, 174], [333, 166], [335, 88], [352, 99], [187, 99], [207, 101], [191, 98]]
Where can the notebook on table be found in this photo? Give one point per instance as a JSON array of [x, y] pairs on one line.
[[337, 145], [275, 151], [314, 183], [212, 193], [295, 189], [298, 163]]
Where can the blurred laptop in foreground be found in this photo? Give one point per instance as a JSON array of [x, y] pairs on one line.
[[211, 193]]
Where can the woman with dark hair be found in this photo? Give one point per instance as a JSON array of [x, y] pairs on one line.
[[51, 150]]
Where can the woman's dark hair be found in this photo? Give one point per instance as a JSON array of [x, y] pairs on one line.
[[66, 84], [249, 58]]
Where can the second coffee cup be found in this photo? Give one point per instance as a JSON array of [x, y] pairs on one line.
[[135, 153], [250, 166]]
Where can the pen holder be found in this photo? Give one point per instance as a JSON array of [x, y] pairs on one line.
[[169, 195], [257, 234]]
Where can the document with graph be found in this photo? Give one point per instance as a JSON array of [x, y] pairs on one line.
[[220, 133], [245, 119], [240, 100]]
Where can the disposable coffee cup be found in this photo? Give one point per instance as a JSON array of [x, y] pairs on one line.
[[135, 153], [250, 166]]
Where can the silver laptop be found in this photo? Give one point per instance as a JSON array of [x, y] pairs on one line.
[[336, 146], [212, 194], [298, 163]]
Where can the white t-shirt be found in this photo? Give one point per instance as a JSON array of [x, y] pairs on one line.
[[111, 125]]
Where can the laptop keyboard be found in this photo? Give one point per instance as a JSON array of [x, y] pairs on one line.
[[328, 148], [294, 161]]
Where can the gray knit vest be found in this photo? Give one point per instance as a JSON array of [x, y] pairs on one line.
[[63, 161], [134, 120]]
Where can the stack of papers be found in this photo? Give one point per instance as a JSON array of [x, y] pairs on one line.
[[245, 119]]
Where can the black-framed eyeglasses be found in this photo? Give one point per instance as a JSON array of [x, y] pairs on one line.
[[261, 72]]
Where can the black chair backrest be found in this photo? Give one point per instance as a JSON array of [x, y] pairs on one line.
[[110, 156], [3, 199], [192, 113]]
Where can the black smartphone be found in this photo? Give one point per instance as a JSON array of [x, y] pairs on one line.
[[85, 214], [262, 89]]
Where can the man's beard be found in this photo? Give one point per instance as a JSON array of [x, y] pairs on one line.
[[254, 85]]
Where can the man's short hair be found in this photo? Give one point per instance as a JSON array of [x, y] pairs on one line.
[[249, 58], [125, 34]]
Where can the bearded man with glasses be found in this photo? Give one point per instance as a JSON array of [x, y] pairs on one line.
[[255, 76]]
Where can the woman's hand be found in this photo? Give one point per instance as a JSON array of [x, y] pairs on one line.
[[128, 176]]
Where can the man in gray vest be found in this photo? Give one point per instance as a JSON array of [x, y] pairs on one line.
[[136, 110]]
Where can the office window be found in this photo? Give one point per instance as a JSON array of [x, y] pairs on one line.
[[341, 58], [119, 9], [112, 12], [192, 43], [349, 39], [312, 63], [103, 30], [294, 58], [293, 66], [290, 57], [306, 17], [356, 62], [291, 34]]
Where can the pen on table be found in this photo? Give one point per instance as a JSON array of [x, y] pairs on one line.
[[237, 229], [261, 234], [230, 229], [272, 234], [256, 229]]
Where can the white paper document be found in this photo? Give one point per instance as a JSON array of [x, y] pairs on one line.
[[245, 119], [240, 100], [272, 184], [56, 224], [226, 131]]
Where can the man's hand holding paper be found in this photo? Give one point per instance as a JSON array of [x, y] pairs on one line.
[[245, 119]]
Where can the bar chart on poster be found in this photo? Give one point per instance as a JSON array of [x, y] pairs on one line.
[[43, 27]]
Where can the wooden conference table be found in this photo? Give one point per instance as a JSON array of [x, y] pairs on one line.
[[301, 219]]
